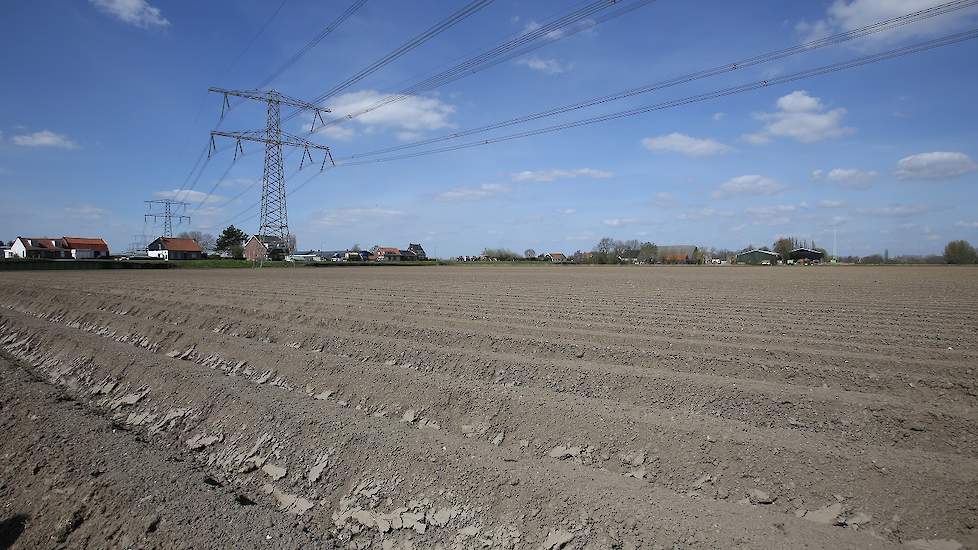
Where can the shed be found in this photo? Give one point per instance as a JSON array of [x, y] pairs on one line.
[[758, 257], [806, 255]]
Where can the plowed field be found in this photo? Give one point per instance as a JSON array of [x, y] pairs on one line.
[[490, 407]]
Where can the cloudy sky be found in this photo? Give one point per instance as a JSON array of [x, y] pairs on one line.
[[105, 105]]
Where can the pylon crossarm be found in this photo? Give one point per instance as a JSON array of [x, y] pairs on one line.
[[271, 95], [262, 137]]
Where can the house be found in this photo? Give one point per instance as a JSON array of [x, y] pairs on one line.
[[85, 248], [387, 254], [79, 248], [418, 251], [5, 252], [679, 254], [556, 257], [266, 247], [806, 255], [174, 248], [39, 247], [758, 257]]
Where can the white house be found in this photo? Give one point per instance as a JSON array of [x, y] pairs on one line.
[[79, 248], [39, 247], [173, 248]]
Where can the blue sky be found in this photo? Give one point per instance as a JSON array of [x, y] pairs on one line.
[[105, 105]]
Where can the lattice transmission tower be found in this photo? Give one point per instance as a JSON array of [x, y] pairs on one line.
[[170, 209], [273, 227]]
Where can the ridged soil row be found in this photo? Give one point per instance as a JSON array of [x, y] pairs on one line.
[[858, 417], [682, 449], [375, 463]]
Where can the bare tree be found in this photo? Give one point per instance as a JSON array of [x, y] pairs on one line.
[[529, 253], [206, 241]]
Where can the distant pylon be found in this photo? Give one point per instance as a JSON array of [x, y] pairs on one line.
[[168, 206], [274, 221]]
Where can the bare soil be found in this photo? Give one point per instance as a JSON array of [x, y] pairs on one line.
[[490, 407]]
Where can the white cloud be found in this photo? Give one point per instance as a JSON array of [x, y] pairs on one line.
[[772, 210], [549, 66], [801, 117], [935, 166], [699, 214], [339, 132], [664, 199], [567, 211], [751, 184], [847, 15], [836, 221], [894, 211], [830, 204], [719, 116], [135, 12], [681, 143], [619, 222], [847, 177], [88, 212], [45, 138], [334, 217], [484, 191], [967, 225], [188, 195], [409, 116], [555, 174]]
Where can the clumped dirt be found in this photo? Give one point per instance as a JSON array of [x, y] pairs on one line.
[[490, 407]]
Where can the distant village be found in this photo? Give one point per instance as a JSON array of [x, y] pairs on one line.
[[271, 248], [235, 244]]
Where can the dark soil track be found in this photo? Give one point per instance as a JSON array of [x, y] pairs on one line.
[[473, 407]]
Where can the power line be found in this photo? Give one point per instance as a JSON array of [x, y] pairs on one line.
[[562, 27], [690, 77], [313, 43], [255, 38], [411, 44], [835, 67], [809, 73]]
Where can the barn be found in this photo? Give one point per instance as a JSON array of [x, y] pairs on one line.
[[758, 257], [806, 255]]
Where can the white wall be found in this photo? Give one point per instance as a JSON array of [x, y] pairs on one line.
[[162, 254], [18, 250]]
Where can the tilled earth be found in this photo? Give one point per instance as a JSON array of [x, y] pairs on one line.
[[490, 407]]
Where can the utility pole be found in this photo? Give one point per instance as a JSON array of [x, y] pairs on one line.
[[273, 227], [168, 206]]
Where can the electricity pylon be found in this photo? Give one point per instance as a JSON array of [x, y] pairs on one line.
[[167, 214], [274, 215]]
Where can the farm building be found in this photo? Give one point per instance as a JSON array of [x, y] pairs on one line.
[[758, 257], [79, 248], [266, 247], [86, 248], [679, 254], [39, 247], [412, 253], [418, 251], [388, 254], [556, 257], [806, 255], [174, 248]]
